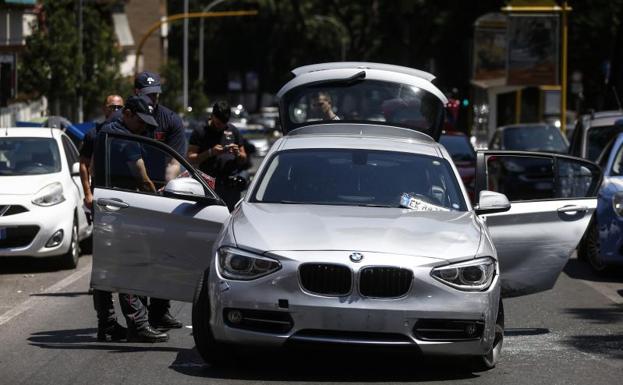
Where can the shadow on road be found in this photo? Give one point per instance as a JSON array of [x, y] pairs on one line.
[[610, 346], [580, 270], [85, 339], [326, 365], [21, 265], [70, 294], [608, 315]]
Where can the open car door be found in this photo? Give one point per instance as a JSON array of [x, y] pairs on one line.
[[552, 200], [153, 237]]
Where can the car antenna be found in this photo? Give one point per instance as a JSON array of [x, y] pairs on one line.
[[616, 96]]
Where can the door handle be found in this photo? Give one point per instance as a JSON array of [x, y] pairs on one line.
[[572, 209], [112, 204]]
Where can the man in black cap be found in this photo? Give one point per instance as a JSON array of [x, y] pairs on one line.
[[128, 169], [169, 130], [217, 149]]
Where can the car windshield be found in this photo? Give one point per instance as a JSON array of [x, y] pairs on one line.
[[28, 156], [350, 177], [534, 138], [598, 137], [459, 148], [364, 101]]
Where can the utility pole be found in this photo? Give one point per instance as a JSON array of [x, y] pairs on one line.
[[80, 55], [185, 57]]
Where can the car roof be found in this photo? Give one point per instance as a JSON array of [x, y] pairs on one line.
[[603, 118], [29, 132], [526, 125], [360, 136]]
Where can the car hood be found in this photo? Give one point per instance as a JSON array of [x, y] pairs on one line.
[[25, 184], [281, 227]]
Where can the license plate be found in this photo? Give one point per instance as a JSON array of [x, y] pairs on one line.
[[2, 233]]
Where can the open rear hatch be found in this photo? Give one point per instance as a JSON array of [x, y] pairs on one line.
[[368, 93]]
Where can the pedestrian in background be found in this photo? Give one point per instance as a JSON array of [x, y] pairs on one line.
[[170, 131], [108, 329], [217, 149]]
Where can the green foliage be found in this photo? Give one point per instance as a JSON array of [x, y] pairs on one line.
[[51, 63], [171, 75]]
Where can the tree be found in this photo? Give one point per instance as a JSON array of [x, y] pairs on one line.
[[51, 64]]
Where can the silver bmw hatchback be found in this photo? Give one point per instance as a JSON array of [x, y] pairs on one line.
[[356, 230]]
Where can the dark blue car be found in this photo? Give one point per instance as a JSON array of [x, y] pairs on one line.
[[602, 245]]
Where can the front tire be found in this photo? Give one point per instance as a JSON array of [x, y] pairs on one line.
[[589, 249], [488, 360], [211, 351], [69, 260]]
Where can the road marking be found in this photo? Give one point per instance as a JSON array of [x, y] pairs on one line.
[[57, 287], [605, 290]]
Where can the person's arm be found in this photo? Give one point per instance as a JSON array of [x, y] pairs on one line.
[[176, 140], [85, 178], [140, 172]]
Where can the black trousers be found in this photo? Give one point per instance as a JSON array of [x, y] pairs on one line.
[[104, 308]]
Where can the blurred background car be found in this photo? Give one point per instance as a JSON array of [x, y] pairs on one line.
[[538, 137], [463, 156], [593, 132], [41, 202], [602, 244]]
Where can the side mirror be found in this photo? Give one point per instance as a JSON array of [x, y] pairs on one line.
[[490, 202], [184, 187], [75, 169]]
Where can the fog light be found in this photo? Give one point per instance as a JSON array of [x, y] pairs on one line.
[[471, 329], [234, 316], [55, 239]]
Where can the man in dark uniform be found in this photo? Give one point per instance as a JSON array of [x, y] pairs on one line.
[[108, 329], [217, 149], [170, 131], [129, 170]]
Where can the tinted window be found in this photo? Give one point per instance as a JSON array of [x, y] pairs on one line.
[[598, 137], [529, 178], [459, 148], [534, 138], [617, 165], [29, 156], [358, 178], [368, 101]]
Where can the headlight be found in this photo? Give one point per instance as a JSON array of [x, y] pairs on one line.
[[50, 195], [243, 265], [474, 275], [617, 203]]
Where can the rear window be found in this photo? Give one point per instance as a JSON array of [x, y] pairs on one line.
[[530, 138], [364, 101], [358, 178], [29, 156], [459, 148], [598, 138]]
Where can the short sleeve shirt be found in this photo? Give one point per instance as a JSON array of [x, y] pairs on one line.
[[121, 153], [170, 131], [206, 137]]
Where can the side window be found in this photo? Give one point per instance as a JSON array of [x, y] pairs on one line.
[[524, 178], [495, 142], [142, 167], [617, 165], [70, 151]]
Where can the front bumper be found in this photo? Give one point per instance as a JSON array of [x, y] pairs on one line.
[[353, 318], [35, 226]]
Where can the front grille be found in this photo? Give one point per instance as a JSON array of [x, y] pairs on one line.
[[19, 236], [384, 282], [350, 337], [326, 279], [264, 321], [448, 330], [11, 210]]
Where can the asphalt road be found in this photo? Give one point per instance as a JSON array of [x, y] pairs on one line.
[[572, 334]]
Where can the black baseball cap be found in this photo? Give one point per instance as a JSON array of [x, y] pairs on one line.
[[141, 106], [148, 83]]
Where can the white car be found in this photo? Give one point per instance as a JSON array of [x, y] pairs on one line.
[[41, 198]]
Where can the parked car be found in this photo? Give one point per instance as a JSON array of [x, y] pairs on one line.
[[41, 198], [593, 131], [353, 231], [463, 156], [602, 245], [529, 137]]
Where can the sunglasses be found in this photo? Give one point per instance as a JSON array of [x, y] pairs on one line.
[[114, 107]]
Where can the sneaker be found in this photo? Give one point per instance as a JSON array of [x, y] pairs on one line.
[[147, 334], [112, 332], [165, 322]]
